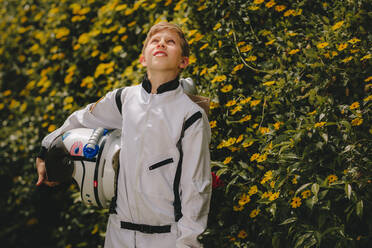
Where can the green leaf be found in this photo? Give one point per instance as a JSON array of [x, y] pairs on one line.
[[325, 137], [359, 208], [301, 239], [289, 221], [276, 240], [315, 189], [302, 188], [348, 190]]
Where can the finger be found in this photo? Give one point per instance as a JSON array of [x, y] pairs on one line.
[[51, 184], [40, 180]]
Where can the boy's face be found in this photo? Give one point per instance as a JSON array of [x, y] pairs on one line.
[[164, 53]]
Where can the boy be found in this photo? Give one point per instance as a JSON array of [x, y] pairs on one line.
[[164, 179]]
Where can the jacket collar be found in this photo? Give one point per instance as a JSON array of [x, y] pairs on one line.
[[168, 86]]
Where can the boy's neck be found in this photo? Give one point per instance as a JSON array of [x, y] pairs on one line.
[[158, 78]]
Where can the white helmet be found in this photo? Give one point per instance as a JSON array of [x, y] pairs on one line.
[[90, 157]]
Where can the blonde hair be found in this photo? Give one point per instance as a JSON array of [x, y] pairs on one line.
[[170, 26]]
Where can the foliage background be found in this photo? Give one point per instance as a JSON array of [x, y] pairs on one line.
[[290, 84]]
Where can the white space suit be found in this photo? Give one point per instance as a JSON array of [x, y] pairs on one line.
[[153, 146]]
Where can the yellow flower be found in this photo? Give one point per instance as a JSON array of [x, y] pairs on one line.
[[289, 12], [219, 78], [253, 7], [238, 208], [83, 38], [368, 98], [357, 122], [274, 196], [240, 138], [270, 42], [51, 128], [294, 180], [272, 184], [280, 8], [254, 157], [258, 1], [264, 130], [213, 105], [254, 213], [245, 100], [244, 199], [68, 100], [62, 32], [368, 56], [354, 105], [294, 51], [255, 102], [242, 234], [320, 124], [347, 59], [354, 40], [322, 45], [296, 202], [337, 25], [230, 103], [238, 67], [342, 46], [270, 4], [204, 46], [277, 125], [253, 190], [227, 160], [267, 177], [246, 48], [312, 113], [251, 59], [262, 158], [269, 83], [117, 49], [226, 88], [213, 124], [306, 194], [247, 143], [245, 118], [368, 79], [217, 26], [236, 109], [266, 194], [332, 178], [7, 93]]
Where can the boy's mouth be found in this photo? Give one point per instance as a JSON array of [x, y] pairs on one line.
[[160, 54]]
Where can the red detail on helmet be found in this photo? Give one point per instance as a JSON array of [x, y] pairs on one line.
[[95, 184]]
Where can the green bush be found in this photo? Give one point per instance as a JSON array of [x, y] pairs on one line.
[[290, 84]]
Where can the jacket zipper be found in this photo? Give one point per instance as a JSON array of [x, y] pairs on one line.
[[161, 163]]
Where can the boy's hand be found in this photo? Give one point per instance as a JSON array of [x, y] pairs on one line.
[[41, 171]]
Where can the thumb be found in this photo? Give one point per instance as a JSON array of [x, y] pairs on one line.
[[40, 180]]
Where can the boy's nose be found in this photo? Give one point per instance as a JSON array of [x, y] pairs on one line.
[[161, 43]]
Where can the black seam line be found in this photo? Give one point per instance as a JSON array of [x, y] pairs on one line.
[[118, 99], [82, 180], [96, 172], [176, 183], [161, 163], [192, 119]]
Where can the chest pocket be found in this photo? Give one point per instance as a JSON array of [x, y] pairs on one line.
[[156, 179]]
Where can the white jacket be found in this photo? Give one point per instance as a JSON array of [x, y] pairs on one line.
[[151, 126]]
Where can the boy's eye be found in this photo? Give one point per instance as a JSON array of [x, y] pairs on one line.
[[154, 40], [171, 41]]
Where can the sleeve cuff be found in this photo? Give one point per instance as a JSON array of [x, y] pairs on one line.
[[42, 153]]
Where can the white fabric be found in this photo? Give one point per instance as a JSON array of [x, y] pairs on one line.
[[151, 125]]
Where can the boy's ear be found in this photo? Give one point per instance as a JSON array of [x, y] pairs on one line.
[[184, 62], [142, 60]]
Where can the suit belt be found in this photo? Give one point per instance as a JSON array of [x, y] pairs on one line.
[[145, 228]]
